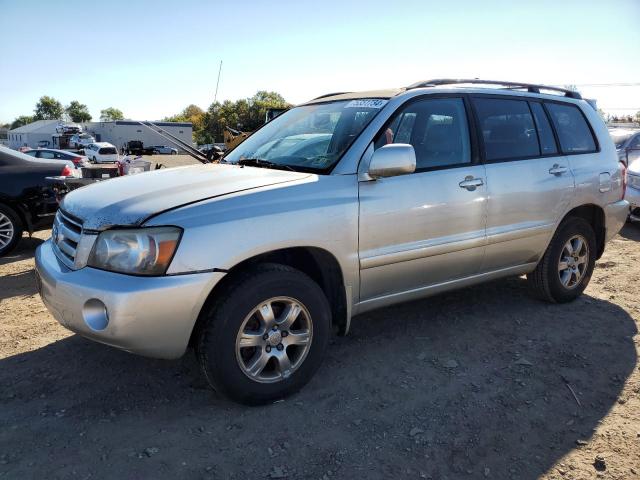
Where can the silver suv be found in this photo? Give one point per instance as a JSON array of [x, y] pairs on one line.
[[347, 203]]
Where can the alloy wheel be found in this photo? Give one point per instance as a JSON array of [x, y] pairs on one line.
[[6, 230], [573, 261], [274, 339]]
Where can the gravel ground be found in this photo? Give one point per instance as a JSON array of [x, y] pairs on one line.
[[480, 383]]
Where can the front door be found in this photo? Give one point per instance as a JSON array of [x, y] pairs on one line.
[[428, 227]]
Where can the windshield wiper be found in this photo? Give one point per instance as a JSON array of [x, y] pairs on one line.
[[257, 162]]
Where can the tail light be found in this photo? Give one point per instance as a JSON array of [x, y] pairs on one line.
[[77, 160], [66, 171], [624, 179]]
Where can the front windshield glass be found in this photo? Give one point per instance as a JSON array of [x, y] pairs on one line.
[[308, 138], [620, 139]]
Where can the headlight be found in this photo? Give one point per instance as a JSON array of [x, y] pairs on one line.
[[634, 180], [140, 251]]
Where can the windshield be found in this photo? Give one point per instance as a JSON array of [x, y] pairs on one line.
[[620, 138], [308, 138]]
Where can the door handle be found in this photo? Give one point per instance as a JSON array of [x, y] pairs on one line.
[[470, 183], [557, 170]]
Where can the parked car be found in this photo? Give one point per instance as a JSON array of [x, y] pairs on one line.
[[136, 147], [27, 202], [633, 190], [67, 128], [421, 190], [627, 142], [81, 140], [164, 149], [101, 152], [52, 154]]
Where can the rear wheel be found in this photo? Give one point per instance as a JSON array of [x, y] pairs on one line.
[[566, 267], [10, 229], [265, 335]]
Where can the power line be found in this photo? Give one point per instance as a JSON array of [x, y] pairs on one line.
[[630, 84]]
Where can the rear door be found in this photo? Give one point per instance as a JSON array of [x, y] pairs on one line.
[[529, 181], [428, 227]]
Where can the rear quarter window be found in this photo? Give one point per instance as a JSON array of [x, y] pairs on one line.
[[573, 131]]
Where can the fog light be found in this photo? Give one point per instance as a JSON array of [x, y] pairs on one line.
[[95, 314]]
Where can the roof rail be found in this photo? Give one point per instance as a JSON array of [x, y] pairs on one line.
[[530, 87], [329, 95]]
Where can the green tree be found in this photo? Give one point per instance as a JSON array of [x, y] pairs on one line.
[[48, 108], [111, 114], [20, 121], [245, 114], [195, 115], [77, 112]]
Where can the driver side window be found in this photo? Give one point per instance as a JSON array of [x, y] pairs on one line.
[[437, 128]]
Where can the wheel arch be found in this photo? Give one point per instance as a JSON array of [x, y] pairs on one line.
[[319, 264], [23, 214], [595, 216]]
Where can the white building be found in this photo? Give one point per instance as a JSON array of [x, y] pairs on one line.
[[118, 133], [33, 133]]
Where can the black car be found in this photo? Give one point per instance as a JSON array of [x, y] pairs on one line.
[[27, 202]]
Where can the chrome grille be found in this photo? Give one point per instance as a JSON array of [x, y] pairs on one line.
[[65, 237]]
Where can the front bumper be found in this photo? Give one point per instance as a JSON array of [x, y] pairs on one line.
[[632, 195], [151, 316], [615, 215]]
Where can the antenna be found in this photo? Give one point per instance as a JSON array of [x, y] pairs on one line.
[[215, 97]]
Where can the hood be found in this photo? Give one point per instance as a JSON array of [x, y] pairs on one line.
[[131, 199]]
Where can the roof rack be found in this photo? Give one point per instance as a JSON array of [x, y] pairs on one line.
[[329, 95], [530, 87]]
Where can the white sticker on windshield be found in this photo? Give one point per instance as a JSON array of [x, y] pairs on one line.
[[367, 103]]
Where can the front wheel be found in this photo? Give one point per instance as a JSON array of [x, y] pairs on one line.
[[265, 335], [566, 267], [10, 229]]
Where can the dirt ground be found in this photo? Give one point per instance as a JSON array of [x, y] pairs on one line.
[[481, 383]]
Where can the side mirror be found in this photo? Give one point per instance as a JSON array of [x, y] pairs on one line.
[[392, 160]]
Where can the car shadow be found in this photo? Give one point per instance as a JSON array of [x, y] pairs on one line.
[[631, 231], [25, 249], [20, 284], [475, 383]]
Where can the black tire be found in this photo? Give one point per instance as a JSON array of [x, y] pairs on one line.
[[545, 280], [221, 319], [16, 223]]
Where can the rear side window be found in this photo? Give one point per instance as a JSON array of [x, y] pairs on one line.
[[107, 151], [507, 128], [547, 141], [437, 129], [573, 132]]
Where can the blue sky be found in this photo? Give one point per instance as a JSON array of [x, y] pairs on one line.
[[152, 58]]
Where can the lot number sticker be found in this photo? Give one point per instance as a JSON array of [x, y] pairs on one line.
[[367, 103]]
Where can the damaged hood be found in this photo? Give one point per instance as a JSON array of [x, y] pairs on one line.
[[131, 199]]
